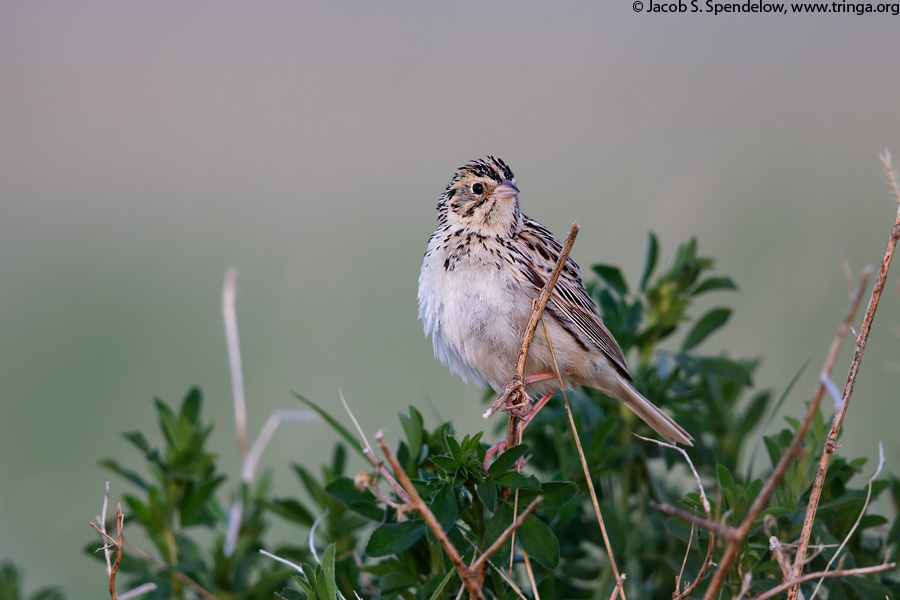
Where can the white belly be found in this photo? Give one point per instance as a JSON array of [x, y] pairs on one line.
[[474, 316]]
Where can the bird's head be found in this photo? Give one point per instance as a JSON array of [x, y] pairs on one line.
[[481, 197]]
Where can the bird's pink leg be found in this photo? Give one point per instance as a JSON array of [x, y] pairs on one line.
[[501, 445], [538, 377]]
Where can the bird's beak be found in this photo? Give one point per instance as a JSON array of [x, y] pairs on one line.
[[505, 190]]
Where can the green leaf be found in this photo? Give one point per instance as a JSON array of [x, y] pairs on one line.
[[727, 484], [442, 585], [613, 278], [132, 476], [714, 283], [137, 438], [328, 569], [291, 594], [444, 506], [725, 368], [755, 411], [495, 526], [650, 257], [312, 486], [556, 494], [361, 501], [412, 427], [487, 491], [392, 538], [513, 479], [454, 448], [292, 510], [191, 405], [397, 580], [340, 429], [705, 326], [505, 461], [193, 504], [446, 463], [539, 541]]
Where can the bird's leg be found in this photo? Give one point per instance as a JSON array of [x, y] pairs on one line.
[[534, 409], [529, 379], [500, 446], [513, 395]]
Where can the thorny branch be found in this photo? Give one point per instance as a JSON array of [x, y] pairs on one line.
[[861, 339]]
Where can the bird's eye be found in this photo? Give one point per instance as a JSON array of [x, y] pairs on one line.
[[477, 189]]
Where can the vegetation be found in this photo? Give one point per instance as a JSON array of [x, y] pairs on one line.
[[369, 542]]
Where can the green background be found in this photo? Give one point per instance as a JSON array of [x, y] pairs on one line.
[[145, 147]]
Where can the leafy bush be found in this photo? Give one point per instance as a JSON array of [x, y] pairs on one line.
[[374, 545]]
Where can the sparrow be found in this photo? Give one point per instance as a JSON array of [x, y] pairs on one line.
[[485, 265]]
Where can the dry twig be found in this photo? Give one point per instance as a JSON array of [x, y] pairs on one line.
[[515, 390], [707, 509], [861, 339], [472, 575], [737, 537], [886, 566], [587, 473], [110, 542]]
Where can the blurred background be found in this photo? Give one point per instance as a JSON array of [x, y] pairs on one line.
[[146, 147]]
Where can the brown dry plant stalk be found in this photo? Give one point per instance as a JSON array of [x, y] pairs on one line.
[[861, 339]]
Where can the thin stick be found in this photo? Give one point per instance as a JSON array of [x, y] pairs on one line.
[[587, 473], [515, 389], [706, 508], [862, 338], [471, 575], [268, 432], [810, 576], [138, 591], [102, 520], [858, 519], [120, 529], [370, 454], [479, 563], [281, 560], [729, 533], [619, 581], [229, 288], [530, 572], [793, 450]]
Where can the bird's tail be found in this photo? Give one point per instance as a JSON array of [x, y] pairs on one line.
[[653, 416]]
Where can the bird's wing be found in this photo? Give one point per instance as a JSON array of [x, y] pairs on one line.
[[540, 252]]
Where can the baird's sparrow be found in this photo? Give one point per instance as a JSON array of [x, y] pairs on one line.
[[485, 264]]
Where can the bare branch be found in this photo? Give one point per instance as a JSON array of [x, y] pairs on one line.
[[858, 519], [619, 581], [515, 390], [729, 533], [861, 339], [479, 562], [138, 591], [377, 462], [793, 449], [810, 576], [706, 508], [584, 466], [268, 432], [470, 582]]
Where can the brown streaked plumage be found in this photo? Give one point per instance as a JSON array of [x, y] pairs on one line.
[[484, 265]]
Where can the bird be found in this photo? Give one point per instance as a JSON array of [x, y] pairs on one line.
[[483, 268]]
